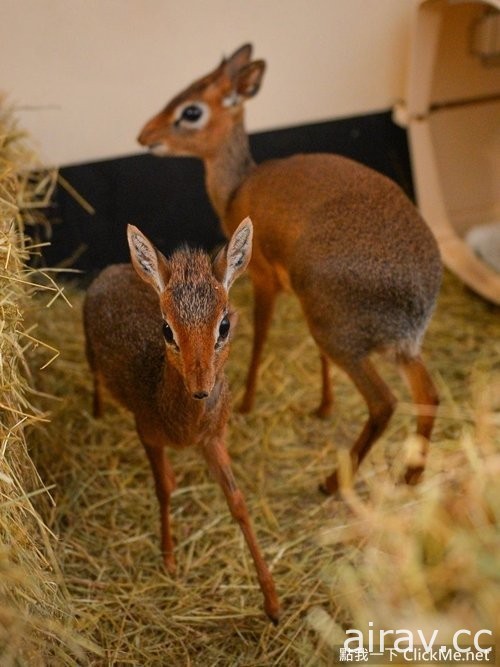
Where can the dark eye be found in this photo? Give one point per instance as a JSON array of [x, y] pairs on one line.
[[167, 333], [224, 327], [191, 113]]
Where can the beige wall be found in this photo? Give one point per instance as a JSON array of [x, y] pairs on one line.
[[87, 73]]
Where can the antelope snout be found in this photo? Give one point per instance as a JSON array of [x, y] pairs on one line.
[[199, 372], [201, 391], [143, 138], [200, 384], [150, 137], [200, 395], [146, 135]]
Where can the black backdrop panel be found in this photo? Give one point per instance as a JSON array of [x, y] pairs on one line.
[[166, 199]]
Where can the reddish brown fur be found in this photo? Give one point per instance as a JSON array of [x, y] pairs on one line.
[[344, 238], [162, 383]]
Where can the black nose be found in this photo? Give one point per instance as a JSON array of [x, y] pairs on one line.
[[200, 394]]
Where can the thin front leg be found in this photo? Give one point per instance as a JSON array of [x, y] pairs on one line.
[[164, 485], [325, 407], [426, 400], [219, 464], [264, 300]]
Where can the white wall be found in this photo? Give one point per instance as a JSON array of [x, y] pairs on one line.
[[86, 74]]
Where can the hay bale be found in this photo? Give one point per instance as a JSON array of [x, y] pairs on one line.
[[36, 619]]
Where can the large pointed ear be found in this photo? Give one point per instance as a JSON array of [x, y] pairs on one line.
[[248, 80], [233, 259], [238, 60], [149, 263]]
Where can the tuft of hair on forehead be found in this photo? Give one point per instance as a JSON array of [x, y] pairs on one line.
[[192, 286], [189, 265]]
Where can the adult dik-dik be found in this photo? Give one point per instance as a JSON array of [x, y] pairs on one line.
[[158, 337], [344, 238]]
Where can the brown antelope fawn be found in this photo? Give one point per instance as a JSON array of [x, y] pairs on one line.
[[344, 238], [158, 337]]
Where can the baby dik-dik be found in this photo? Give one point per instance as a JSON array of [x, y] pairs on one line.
[[158, 337], [345, 239]]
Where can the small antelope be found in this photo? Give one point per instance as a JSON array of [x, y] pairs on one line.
[[344, 238], [158, 338]]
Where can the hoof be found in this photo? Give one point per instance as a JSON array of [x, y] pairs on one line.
[[273, 616], [323, 411], [169, 564], [413, 476], [245, 406], [329, 487], [97, 412]]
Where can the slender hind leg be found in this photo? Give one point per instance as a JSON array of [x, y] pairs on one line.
[[380, 402], [325, 407], [164, 485], [264, 299], [426, 399]]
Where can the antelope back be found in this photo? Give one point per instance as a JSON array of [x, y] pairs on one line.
[[197, 120]]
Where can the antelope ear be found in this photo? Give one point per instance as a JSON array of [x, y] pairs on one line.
[[238, 60], [233, 258], [248, 80], [149, 263]]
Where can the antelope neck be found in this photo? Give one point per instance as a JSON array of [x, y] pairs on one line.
[[228, 168]]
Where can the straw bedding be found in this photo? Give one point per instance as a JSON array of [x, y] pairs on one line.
[[81, 576], [398, 557]]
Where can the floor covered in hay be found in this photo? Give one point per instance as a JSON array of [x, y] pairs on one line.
[[105, 512]]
